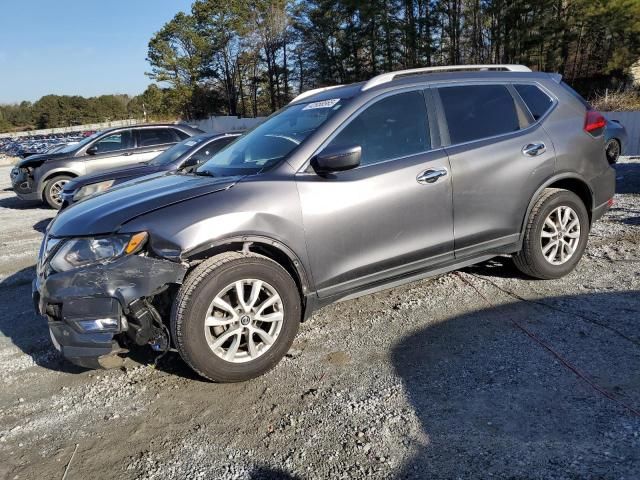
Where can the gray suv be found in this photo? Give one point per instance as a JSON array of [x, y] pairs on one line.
[[42, 177], [346, 191]]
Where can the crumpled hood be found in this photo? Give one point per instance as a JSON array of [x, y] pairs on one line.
[[39, 159], [106, 212], [119, 174]]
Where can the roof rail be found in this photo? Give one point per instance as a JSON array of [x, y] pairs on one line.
[[308, 93], [387, 77]]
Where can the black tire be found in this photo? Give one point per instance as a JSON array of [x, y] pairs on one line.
[[612, 150], [195, 296], [50, 197], [530, 260]]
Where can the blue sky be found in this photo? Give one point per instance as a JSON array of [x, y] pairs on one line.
[[78, 47]]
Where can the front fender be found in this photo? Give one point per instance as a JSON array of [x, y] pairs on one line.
[[44, 173], [250, 241]]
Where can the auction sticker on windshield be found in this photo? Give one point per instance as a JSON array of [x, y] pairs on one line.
[[322, 104]]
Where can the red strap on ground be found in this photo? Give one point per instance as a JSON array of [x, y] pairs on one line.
[[602, 391]]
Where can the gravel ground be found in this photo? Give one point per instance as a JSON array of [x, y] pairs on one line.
[[477, 373]]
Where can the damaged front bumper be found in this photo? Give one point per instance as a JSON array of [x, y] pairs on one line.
[[23, 184], [89, 309]]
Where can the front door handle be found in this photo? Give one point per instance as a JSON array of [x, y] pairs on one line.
[[431, 175], [127, 154], [534, 149]]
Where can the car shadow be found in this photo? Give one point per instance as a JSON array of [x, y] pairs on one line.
[[501, 267], [15, 203], [268, 473], [27, 330], [627, 177], [493, 402]]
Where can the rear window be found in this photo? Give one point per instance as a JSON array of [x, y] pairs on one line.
[[536, 100], [474, 112], [150, 137]]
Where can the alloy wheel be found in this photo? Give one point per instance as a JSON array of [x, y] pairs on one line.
[[244, 320], [55, 191], [613, 151], [560, 235]]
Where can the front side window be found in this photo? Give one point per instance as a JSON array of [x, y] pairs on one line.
[[272, 141], [174, 153], [150, 137], [115, 141], [474, 112], [536, 100], [393, 127]]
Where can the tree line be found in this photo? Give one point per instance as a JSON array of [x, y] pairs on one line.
[[251, 57], [53, 111]]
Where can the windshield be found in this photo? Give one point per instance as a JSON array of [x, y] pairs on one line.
[[179, 149], [76, 146], [269, 143]]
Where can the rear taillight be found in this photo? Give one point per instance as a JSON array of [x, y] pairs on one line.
[[594, 122]]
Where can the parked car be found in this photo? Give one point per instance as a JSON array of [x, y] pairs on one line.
[[185, 156], [615, 138], [42, 177], [344, 192]]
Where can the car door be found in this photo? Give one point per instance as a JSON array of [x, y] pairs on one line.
[[499, 157], [390, 216], [112, 150], [154, 140]]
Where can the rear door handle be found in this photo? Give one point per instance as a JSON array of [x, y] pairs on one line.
[[534, 149], [431, 175]]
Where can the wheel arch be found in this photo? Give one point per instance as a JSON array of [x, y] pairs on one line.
[[55, 173], [269, 247], [569, 181]]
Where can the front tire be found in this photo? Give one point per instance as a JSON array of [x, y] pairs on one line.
[[235, 316], [555, 235], [53, 190]]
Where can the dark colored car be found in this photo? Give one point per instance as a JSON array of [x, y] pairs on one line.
[[615, 140], [345, 191], [42, 177], [185, 156]]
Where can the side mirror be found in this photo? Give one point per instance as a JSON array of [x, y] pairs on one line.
[[337, 159], [92, 150], [193, 161]]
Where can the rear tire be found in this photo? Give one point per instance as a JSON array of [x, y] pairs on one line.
[[612, 150], [219, 321], [53, 189], [555, 235]]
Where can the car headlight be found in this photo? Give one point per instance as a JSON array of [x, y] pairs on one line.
[[79, 252], [92, 189]]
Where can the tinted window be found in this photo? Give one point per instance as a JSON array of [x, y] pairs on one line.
[[537, 101], [116, 141], [393, 127], [181, 135], [172, 154], [157, 136], [478, 111], [214, 147]]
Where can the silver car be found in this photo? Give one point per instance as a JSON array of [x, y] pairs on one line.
[[346, 191], [42, 177]]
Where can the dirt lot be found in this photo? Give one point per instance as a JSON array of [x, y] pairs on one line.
[[471, 374]]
